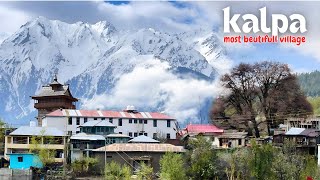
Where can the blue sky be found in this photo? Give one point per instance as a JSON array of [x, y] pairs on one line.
[[175, 17]]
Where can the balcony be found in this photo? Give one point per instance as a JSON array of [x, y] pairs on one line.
[[54, 105]]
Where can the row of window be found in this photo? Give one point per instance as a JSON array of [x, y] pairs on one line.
[[135, 121], [155, 135]]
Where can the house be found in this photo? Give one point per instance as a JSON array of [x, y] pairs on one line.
[[232, 139], [24, 161], [139, 150], [209, 131], [220, 138], [129, 122], [52, 97], [312, 122], [305, 140], [94, 134], [82, 144], [19, 141]]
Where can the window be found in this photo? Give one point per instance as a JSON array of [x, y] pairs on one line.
[[146, 134], [85, 120], [110, 120], [77, 132], [135, 134], [120, 132], [69, 132], [120, 122], [168, 136], [130, 121], [155, 136], [103, 118], [78, 121], [140, 133], [140, 121], [155, 123], [130, 134], [70, 120], [239, 142], [146, 121], [95, 118], [168, 123], [20, 159], [135, 121]]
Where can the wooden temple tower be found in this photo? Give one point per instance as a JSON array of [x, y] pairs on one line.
[[52, 97]]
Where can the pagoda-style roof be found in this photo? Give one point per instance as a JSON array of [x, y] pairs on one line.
[[54, 89]]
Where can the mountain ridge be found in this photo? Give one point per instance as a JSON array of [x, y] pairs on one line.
[[93, 57]]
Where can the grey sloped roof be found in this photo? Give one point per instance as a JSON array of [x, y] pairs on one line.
[[48, 91], [84, 136], [103, 123], [143, 139], [37, 131]]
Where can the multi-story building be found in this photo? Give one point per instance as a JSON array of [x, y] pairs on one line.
[[93, 135], [52, 97], [128, 122], [19, 141]]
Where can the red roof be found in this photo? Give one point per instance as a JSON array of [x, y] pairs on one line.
[[203, 128], [108, 114]]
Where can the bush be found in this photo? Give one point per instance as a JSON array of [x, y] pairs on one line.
[[84, 165], [145, 172], [114, 171]]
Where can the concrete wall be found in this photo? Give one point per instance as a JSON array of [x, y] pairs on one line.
[[62, 124], [28, 160], [15, 174]]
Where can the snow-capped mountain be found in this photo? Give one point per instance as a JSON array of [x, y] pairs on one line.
[[93, 57]]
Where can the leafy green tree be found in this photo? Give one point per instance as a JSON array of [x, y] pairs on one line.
[[115, 171], [202, 159], [3, 127], [261, 161], [37, 146], [310, 168], [172, 167], [145, 172]]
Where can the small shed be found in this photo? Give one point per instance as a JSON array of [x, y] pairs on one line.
[[4, 163], [24, 161]]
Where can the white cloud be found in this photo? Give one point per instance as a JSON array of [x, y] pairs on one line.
[[11, 19], [151, 85], [158, 15]]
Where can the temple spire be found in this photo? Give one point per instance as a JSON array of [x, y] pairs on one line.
[[55, 78]]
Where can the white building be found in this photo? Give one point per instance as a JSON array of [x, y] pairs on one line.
[[128, 122]]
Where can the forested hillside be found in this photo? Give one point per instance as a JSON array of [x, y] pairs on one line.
[[310, 83]]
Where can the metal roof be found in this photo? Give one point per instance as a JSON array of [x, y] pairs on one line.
[[117, 135], [203, 128], [109, 114], [140, 147], [295, 131], [101, 123], [84, 136], [303, 132], [37, 131], [143, 139]]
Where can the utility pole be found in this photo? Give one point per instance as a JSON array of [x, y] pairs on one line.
[[105, 152]]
